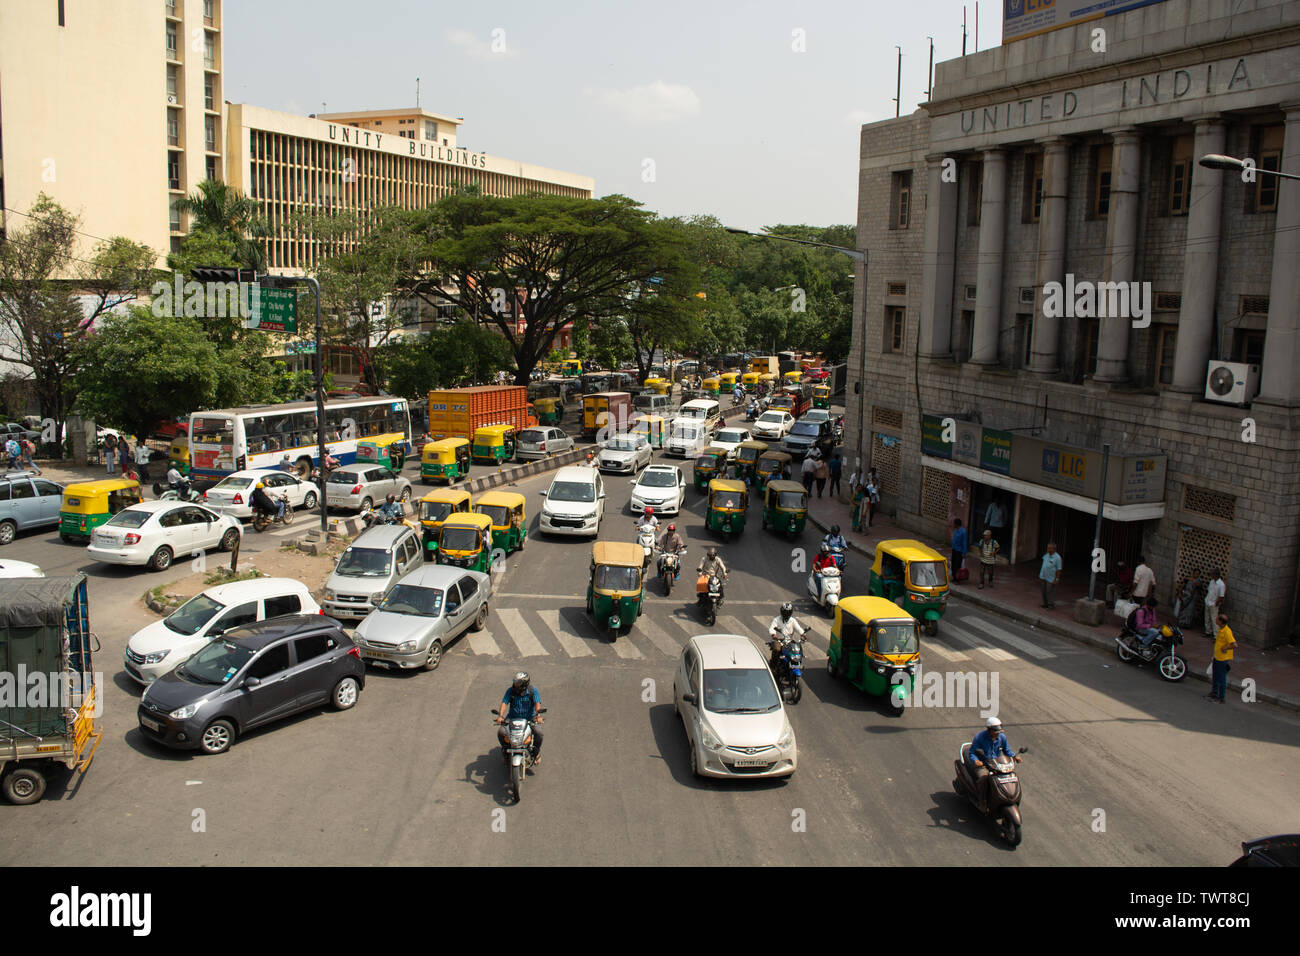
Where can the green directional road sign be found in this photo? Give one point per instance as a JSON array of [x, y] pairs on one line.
[[276, 311]]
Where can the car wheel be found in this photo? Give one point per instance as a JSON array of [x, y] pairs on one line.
[[24, 785], [480, 619], [405, 495], [161, 560], [217, 737], [8, 531], [229, 540], [367, 504], [345, 694], [310, 500], [435, 656], [695, 757]]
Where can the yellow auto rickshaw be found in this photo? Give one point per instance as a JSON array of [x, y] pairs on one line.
[[572, 368], [493, 444], [712, 386], [88, 504], [660, 386], [768, 380], [772, 465], [465, 541], [785, 506], [747, 455], [509, 523], [821, 396], [913, 576], [615, 587], [727, 502], [709, 464], [178, 454], [727, 380], [549, 411], [388, 450], [792, 377], [653, 427], [445, 461], [876, 646], [435, 508], [749, 380]]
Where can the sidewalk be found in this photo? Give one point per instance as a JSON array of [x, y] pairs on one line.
[[1017, 595]]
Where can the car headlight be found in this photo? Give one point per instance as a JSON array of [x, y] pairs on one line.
[[157, 657], [183, 713], [709, 739], [406, 647], [787, 738], [376, 597], [329, 594], [589, 517]]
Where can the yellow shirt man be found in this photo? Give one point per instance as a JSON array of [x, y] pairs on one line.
[[1224, 642]]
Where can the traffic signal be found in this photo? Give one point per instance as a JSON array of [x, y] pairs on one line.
[[222, 274]]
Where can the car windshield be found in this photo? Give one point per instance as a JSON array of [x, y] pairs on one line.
[[459, 539], [572, 491], [232, 483], [894, 638], [732, 436], [807, 429], [435, 510], [819, 415], [661, 479], [190, 617], [610, 578], [532, 436], [364, 562], [726, 499], [688, 432], [129, 519], [928, 574], [409, 599], [791, 499], [216, 663], [344, 478], [622, 444], [694, 413], [499, 514], [771, 418], [740, 690]]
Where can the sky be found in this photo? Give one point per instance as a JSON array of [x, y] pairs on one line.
[[748, 111]]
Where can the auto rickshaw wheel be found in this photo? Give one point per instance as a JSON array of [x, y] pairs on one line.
[[24, 785]]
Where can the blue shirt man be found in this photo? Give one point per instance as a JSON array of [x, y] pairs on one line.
[[992, 741], [959, 540], [1051, 568], [522, 706]]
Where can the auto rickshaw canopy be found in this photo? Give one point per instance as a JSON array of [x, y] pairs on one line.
[[93, 497], [481, 524], [754, 449], [499, 506], [493, 435], [786, 495], [649, 425], [727, 493], [932, 570], [822, 391], [885, 630], [623, 554], [772, 457], [443, 452], [454, 498]]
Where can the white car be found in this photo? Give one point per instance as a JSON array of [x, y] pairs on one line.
[[773, 424], [730, 439], [155, 533], [575, 502], [731, 708], [19, 569], [687, 437], [661, 488], [625, 453], [233, 494], [157, 648]]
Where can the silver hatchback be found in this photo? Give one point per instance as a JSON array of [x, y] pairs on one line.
[[542, 441], [427, 609], [361, 487]]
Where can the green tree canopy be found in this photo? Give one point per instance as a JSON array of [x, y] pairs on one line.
[[222, 210]]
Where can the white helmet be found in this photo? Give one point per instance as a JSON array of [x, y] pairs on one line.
[[993, 724]]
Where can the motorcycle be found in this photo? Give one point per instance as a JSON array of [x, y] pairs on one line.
[[1172, 667], [788, 668], [708, 589], [184, 492], [645, 537], [826, 592], [264, 519], [1004, 791], [517, 751], [752, 412], [670, 568]]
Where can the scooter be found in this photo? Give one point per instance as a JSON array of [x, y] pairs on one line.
[[788, 669], [708, 590], [1004, 791], [517, 752], [837, 555], [1128, 648], [670, 568], [752, 412], [186, 492], [645, 537], [827, 595]]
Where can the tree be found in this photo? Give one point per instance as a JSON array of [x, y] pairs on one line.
[[448, 358], [224, 211]]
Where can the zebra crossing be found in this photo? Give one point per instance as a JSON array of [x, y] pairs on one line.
[[569, 633]]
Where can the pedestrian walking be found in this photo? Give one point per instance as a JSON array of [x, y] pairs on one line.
[[836, 467], [858, 511], [142, 460], [1214, 594], [995, 519], [124, 457], [958, 549], [14, 451], [820, 474], [873, 496], [988, 557], [855, 480], [807, 473], [1224, 645], [110, 453], [1144, 580], [28, 451], [1190, 600], [1050, 575]]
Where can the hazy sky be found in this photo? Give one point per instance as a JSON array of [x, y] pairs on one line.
[[736, 122]]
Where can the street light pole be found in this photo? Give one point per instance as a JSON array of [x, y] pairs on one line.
[[1219, 161]]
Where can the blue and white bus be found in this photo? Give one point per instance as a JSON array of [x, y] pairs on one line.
[[259, 436]]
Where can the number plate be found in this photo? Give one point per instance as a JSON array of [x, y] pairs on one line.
[[750, 762], [151, 724], [379, 655]]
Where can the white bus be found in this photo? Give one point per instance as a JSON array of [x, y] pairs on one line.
[[259, 436]]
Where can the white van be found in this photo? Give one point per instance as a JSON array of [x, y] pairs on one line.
[[687, 436], [575, 502], [652, 403], [706, 409]]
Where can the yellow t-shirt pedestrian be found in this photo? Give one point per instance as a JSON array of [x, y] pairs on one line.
[[1224, 644]]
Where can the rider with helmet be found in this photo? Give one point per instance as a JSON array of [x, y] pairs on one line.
[[263, 502], [670, 543], [648, 520], [783, 627], [390, 509], [522, 701], [835, 543], [823, 560], [992, 742], [712, 565]]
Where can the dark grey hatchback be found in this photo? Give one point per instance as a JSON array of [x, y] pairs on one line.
[[251, 676]]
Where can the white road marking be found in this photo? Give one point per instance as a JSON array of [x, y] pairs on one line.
[[481, 642], [934, 647], [573, 645], [513, 623], [726, 624], [625, 649], [969, 640], [658, 636], [1019, 643]]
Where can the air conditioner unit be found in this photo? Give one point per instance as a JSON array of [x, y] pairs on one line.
[[1232, 383], [171, 97]]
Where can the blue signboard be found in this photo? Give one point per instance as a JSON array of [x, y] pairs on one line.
[[1024, 18]]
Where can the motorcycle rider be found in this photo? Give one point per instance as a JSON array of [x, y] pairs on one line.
[[670, 543], [390, 509], [834, 542], [648, 520], [176, 481], [522, 701], [992, 742], [823, 561], [711, 565], [783, 627], [1145, 624], [261, 501]]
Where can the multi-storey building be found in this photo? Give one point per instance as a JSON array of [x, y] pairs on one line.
[[1014, 226]]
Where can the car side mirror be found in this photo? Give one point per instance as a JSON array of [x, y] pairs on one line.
[[542, 493], [251, 682], [601, 495], [690, 699]]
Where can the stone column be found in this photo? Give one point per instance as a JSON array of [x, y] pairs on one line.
[[1121, 250], [937, 273], [988, 278], [1200, 262], [1280, 376], [1051, 251]]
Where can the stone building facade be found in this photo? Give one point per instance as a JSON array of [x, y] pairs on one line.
[[1049, 161]]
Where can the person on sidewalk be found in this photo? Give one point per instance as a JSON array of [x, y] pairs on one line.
[[29, 450], [1189, 600], [1144, 580], [836, 467], [1050, 575], [14, 452], [110, 453], [873, 496], [142, 460], [1214, 594], [1224, 645], [808, 471], [988, 557], [958, 548], [820, 474], [124, 457], [858, 511], [995, 519]]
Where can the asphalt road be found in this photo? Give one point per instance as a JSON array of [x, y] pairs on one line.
[[1123, 769]]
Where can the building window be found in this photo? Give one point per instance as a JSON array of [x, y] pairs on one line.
[[173, 84], [1101, 183], [963, 341], [976, 178], [1248, 346], [894, 328], [174, 171], [1024, 340], [209, 92], [1180, 176], [902, 200], [175, 218], [210, 133], [209, 52], [1166, 349], [173, 129], [430, 130], [212, 168], [209, 13], [1033, 199], [171, 8], [1091, 336], [171, 41], [1270, 158], [61, 21]]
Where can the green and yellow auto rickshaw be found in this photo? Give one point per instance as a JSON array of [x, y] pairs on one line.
[[571, 368], [660, 386], [750, 381], [785, 506], [772, 465], [509, 523], [711, 387], [88, 504], [876, 646], [549, 411], [914, 577], [465, 541], [435, 508], [178, 454], [727, 501], [615, 587], [821, 396], [444, 461], [747, 455], [388, 450], [493, 444], [727, 380], [653, 427], [792, 378], [709, 464]]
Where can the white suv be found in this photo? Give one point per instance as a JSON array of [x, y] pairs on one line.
[[575, 502]]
